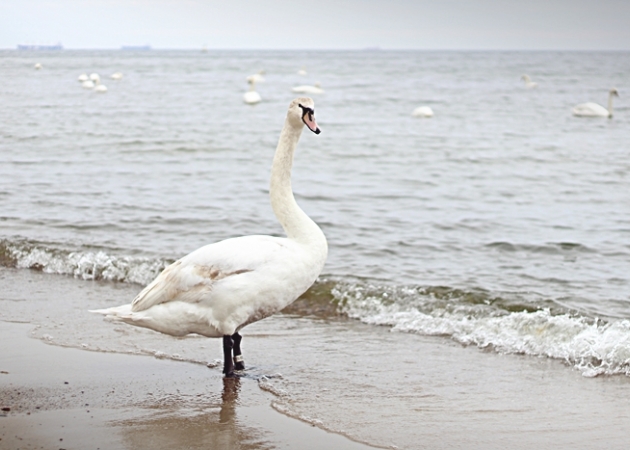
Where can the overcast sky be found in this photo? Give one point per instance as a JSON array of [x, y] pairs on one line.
[[320, 24]]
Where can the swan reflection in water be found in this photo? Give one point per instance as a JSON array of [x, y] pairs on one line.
[[231, 388], [194, 421]]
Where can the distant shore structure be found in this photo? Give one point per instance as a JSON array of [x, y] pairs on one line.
[[57, 46], [135, 47]]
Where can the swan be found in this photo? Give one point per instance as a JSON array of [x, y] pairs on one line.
[[88, 84], [302, 71], [83, 77], [594, 110], [219, 288], [100, 88], [95, 77], [307, 89], [257, 77], [529, 84], [251, 97], [38, 66], [422, 111], [116, 76]]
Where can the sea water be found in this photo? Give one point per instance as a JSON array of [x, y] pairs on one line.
[[501, 222]]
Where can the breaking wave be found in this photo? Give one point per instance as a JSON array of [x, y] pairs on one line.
[[505, 322], [86, 264]]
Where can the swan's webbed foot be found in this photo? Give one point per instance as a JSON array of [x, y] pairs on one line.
[[232, 365], [232, 375]]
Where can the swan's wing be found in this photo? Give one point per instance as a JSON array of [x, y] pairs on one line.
[[193, 277]]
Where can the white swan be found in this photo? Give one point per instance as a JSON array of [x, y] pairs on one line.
[[307, 89], [95, 77], [83, 77], [218, 289], [100, 88], [251, 97], [116, 76], [422, 111], [256, 78], [529, 84], [38, 66], [594, 110], [302, 71], [88, 84]]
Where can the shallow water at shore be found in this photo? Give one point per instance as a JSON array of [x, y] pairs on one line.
[[369, 384]]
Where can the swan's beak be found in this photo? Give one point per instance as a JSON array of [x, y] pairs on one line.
[[309, 120]]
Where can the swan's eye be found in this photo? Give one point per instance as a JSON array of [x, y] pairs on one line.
[[306, 110]]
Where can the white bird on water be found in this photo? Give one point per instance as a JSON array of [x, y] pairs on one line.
[[252, 97], [529, 84], [590, 109], [422, 111], [308, 89], [218, 289], [257, 77]]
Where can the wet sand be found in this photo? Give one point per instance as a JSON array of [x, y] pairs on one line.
[[73, 399]]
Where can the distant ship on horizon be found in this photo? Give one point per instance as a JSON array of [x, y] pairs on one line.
[[57, 46]]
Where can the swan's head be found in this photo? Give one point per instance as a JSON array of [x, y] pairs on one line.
[[302, 112], [614, 92]]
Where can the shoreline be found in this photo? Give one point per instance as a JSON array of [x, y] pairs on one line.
[[75, 399]]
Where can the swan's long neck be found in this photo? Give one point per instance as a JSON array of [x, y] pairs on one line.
[[610, 106], [297, 225]]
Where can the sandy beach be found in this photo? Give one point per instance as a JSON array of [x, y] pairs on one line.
[[313, 383], [55, 398]]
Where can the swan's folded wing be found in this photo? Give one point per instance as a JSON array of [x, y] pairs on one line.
[[184, 282], [192, 278]]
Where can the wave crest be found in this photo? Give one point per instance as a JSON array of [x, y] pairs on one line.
[[84, 264], [593, 346]]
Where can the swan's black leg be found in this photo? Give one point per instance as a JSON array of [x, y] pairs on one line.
[[228, 366], [238, 357]]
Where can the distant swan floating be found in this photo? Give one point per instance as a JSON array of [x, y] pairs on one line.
[[422, 111], [302, 71], [222, 287], [594, 110], [38, 66], [529, 84], [83, 77], [257, 77], [88, 84], [307, 89], [251, 97], [116, 76]]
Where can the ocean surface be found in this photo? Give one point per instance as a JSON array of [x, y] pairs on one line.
[[503, 222]]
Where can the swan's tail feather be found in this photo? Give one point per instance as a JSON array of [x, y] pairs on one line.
[[116, 313]]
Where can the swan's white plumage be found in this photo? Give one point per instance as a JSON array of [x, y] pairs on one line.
[[591, 109], [256, 78], [422, 111], [221, 287], [529, 84], [308, 89], [252, 97]]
